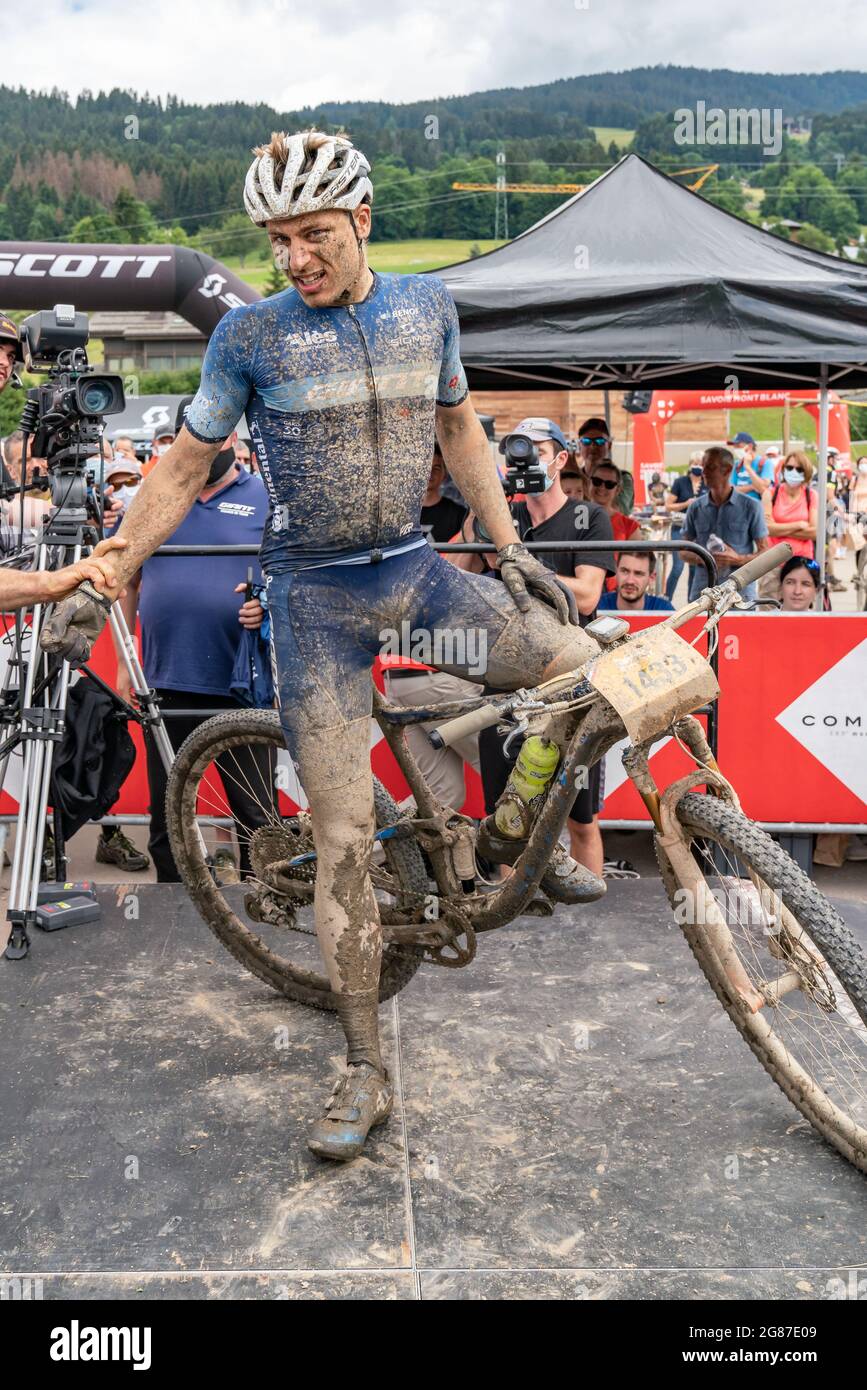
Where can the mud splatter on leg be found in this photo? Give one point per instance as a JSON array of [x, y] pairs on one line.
[[345, 907]]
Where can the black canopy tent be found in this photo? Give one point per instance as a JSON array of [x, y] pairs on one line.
[[639, 281]]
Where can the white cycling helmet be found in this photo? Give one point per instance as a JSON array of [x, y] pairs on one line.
[[306, 172]]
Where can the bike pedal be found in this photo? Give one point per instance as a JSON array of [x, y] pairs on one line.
[[539, 907]]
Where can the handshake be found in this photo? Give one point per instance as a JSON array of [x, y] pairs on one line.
[[84, 593]]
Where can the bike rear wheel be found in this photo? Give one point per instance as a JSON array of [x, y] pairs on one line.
[[811, 1033], [228, 776]]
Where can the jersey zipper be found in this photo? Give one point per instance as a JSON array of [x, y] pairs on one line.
[[355, 320]]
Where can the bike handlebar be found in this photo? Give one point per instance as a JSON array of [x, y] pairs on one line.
[[486, 715], [465, 724], [761, 564]]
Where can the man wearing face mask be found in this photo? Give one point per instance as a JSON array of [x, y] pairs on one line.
[[684, 489], [191, 619], [162, 442]]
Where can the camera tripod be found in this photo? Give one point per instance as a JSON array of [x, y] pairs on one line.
[[36, 710]]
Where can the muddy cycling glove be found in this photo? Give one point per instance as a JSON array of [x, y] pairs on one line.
[[75, 624], [524, 575]]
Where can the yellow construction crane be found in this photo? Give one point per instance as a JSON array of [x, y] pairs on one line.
[[520, 187], [704, 169]]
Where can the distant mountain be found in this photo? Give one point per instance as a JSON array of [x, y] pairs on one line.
[[615, 99]]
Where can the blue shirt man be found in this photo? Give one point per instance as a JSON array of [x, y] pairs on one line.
[[733, 518], [340, 404], [188, 605], [634, 574], [192, 622], [750, 468]]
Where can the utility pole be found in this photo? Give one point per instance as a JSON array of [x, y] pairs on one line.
[[502, 201]]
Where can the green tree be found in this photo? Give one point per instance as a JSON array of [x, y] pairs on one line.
[[43, 223], [808, 195], [97, 228], [814, 238], [134, 220], [726, 194]]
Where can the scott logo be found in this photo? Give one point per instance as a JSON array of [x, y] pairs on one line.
[[211, 287], [76, 265]]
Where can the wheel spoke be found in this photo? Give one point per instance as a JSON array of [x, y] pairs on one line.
[[793, 950]]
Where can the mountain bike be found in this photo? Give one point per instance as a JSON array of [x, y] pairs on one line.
[[781, 962]]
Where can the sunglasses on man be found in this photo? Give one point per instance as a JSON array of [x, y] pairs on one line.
[[599, 439]]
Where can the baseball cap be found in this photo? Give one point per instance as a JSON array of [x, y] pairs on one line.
[[9, 333], [538, 428], [595, 425], [772, 451], [742, 438], [125, 466]]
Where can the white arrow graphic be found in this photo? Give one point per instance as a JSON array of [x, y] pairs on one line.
[[830, 720]]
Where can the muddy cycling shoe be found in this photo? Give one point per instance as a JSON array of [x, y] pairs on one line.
[[564, 880], [361, 1098], [567, 881]]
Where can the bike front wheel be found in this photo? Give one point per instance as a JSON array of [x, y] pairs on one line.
[[807, 1022], [229, 826]]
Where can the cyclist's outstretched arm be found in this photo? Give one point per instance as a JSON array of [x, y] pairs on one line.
[[467, 455], [163, 501]]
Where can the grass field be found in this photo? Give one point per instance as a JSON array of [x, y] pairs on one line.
[[401, 257], [606, 133], [768, 424]]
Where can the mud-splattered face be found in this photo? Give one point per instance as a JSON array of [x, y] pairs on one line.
[[320, 254]]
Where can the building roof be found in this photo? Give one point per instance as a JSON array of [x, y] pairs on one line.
[[138, 325]]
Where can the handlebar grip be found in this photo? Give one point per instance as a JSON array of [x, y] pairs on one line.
[[472, 723], [761, 564]]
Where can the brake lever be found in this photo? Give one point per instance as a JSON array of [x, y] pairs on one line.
[[520, 730]]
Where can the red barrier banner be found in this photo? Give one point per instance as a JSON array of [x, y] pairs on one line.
[[793, 715]]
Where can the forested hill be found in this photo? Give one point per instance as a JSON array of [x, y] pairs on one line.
[[564, 108], [120, 166]]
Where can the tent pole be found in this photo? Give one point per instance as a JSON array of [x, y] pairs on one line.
[[822, 459]]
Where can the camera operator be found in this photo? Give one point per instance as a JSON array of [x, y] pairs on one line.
[[22, 589], [10, 350], [549, 515]]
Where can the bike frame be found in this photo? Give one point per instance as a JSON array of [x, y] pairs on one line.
[[448, 837]]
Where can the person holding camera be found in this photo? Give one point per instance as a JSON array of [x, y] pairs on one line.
[[550, 515]]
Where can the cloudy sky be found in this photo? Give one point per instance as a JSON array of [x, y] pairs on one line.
[[292, 54]]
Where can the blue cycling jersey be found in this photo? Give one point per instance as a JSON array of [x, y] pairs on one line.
[[340, 404]]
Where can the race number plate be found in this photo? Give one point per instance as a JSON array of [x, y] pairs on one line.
[[652, 679]]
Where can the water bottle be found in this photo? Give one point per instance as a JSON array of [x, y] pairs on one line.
[[526, 787]]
